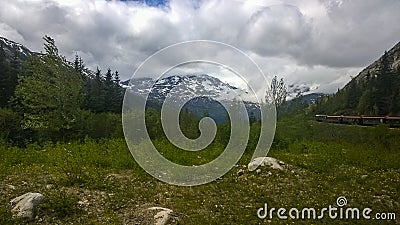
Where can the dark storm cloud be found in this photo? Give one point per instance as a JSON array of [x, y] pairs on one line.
[[354, 33], [315, 42]]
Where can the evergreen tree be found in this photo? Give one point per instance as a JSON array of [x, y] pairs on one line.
[[109, 91], [108, 78], [395, 102], [95, 95], [353, 93], [79, 65], [50, 48], [118, 94], [4, 78], [385, 87], [49, 92], [117, 80], [8, 77], [364, 106]]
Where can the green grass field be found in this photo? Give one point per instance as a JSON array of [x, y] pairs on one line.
[[98, 182]]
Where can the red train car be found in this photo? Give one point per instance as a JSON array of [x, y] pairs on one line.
[[392, 121]]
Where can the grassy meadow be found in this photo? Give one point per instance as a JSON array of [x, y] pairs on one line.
[[98, 182]]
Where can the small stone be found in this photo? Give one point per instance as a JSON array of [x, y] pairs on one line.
[[364, 176], [49, 186], [240, 172], [12, 187], [258, 171], [83, 203]]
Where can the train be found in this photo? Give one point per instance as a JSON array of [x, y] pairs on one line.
[[392, 121]]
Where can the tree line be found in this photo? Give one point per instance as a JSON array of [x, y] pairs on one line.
[[48, 98]]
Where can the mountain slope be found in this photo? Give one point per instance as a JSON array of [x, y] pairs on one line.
[[11, 56], [374, 91], [14, 50], [101, 92], [185, 87], [393, 58], [200, 92]]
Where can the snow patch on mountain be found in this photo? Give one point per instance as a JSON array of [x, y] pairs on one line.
[[295, 90], [13, 49], [185, 87]]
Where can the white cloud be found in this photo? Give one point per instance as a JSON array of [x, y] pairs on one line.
[[316, 42]]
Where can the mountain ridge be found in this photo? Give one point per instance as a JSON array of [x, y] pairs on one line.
[[394, 56], [15, 50], [374, 91], [201, 94]]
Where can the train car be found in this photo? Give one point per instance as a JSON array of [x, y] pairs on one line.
[[353, 120], [320, 118], [334, 119], [373, 120], [392, 121]]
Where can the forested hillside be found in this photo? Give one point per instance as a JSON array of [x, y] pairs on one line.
[[374, 91], [45, 97]]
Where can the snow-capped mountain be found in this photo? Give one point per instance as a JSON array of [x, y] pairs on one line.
[[185, 87], [201, 92], [14, 50], [19, 52], [296, 90]]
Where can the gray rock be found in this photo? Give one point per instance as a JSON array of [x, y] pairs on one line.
[[26, 205], [240, 172], [163, 215], [265, 161]]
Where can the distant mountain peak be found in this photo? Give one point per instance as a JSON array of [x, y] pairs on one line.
[[393, 56], [185, 87], [200, 93], [374, 91], [296, 90], [13, 49]]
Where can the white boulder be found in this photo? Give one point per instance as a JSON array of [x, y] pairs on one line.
[[265, 161], [26, 205], [163, 215]]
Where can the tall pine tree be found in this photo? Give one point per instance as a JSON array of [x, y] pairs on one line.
[[49, 92], [95, 95], [384, 86], [4, 78]]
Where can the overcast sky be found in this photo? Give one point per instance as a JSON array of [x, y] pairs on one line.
[[319, 43]]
